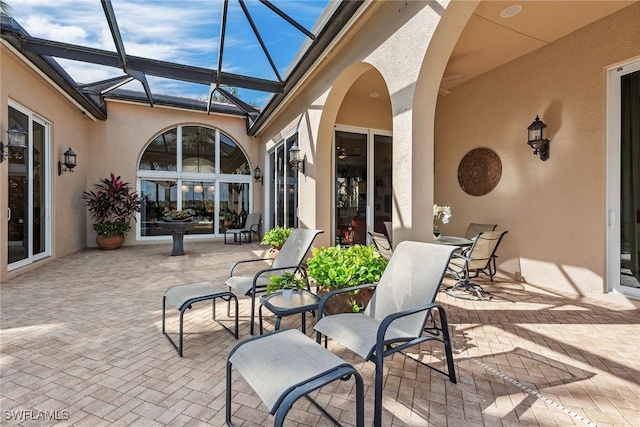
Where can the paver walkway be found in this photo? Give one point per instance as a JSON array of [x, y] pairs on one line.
[[80, 341]]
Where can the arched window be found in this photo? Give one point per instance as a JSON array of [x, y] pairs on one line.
[[194, 168]]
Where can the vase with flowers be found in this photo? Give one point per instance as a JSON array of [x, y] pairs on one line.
[[441, 214]]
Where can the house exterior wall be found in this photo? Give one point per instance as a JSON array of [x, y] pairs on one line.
[[393, 38], [102, 147], [554, 210], [122, 138], [69, 127]]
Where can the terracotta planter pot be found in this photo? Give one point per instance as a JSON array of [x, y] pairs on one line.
[[341, 303], [113, 241]]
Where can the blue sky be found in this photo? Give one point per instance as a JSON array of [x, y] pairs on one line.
[[185, 32]]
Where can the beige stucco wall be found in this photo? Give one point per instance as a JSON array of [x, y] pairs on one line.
[[391, 37], [554, 210], [118, 142], [69, 127]]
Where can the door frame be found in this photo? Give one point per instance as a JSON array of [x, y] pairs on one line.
[[47, 173], [613, 153], [370, 133]]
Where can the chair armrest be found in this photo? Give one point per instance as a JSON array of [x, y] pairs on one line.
[[247, 261], [389, 319], [328, 295], [267, 270]]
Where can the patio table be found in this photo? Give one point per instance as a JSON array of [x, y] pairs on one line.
[[454, 241]]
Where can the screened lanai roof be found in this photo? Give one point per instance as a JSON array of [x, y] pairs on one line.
[[229, 56]]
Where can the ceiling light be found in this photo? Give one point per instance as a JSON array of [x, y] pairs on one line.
[[511, 11], [374, 94]]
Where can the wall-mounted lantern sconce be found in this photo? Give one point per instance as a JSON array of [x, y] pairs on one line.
[[16, 145], [257, 174], [536, 139], [69, 162], [296, 160]]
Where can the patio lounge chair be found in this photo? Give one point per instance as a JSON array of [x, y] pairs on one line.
[[397, 314], [474, 229], [382, 244], [289, 259], [479, 258], [251, 225]]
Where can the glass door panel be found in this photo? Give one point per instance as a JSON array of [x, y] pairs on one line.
[[630, 180], [38, 239], [382, 161], [158, 197], [234, 205], [198, 198], [19, 200], [351, 188]]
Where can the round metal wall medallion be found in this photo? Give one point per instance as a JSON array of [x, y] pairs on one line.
[[479, 171]]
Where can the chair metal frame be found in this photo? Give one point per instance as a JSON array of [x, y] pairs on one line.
[[463, 275], [387, 346], [267, 272], [254, 227], [382, 244]]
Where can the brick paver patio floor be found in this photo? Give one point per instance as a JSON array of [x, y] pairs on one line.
[[81, 342]]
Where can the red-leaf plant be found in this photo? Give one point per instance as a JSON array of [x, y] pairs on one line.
[[112, 205]]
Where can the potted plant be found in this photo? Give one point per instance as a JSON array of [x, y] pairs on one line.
[[276, 237], [334, 267], [287, 282], [112, 205]]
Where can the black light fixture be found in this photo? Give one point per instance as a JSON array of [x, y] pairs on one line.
[[16, 145], [296, 160], [536, 139], [342, 154], [69, 162], [257, 174]]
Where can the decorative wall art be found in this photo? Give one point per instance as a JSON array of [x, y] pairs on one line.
[[479, 171]]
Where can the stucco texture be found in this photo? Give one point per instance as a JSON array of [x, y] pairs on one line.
[[553, 210], [70, 127]]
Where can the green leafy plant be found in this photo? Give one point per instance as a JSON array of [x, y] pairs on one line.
[[285, 281], [337, 268], [276, 236], [112, 205]]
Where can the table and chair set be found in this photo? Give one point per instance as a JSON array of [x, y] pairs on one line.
[[402, 314]]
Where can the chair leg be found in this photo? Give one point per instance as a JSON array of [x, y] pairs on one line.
[[448, 349], [377, 400]]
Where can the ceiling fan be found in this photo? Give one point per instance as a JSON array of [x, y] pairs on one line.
[[343, 153], [445, 92]]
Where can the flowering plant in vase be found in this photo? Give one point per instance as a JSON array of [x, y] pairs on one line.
[[440, 214]]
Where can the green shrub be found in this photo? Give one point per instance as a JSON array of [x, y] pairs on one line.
[[276, 236], [337, 268]]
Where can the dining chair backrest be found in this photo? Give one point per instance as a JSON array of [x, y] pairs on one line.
[[483, 249], [253, 221], [381, 243], [475, 228], [411, 279], [389, 227]]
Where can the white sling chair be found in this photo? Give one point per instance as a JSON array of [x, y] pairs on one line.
[[289, 259], [397, 314]]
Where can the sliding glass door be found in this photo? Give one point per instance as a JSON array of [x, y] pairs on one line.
[[623, 237], [28, 190], [362, 159]]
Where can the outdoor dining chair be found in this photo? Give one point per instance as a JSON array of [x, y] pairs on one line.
[[475, 228], [382, 244], [479, 258], [396, 317], [289, 259], [251, 226]]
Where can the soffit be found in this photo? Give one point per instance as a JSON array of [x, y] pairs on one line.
[[489, 40]]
